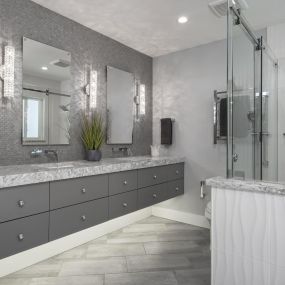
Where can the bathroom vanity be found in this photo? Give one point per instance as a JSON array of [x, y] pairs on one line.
[[248, 232], [42, 203]]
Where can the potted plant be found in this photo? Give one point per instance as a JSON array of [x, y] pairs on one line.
[[92, 135]]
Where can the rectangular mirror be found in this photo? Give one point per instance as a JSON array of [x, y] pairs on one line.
[[120, 106], [46, 94]]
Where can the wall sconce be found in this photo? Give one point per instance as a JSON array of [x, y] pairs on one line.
[[7, 71], [91, 88], [140, 99]]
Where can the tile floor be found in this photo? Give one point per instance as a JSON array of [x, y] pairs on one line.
[[153, 251]]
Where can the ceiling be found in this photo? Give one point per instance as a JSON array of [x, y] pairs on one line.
[[150, 26]]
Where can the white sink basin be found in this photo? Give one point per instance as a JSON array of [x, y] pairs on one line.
[[56, 166]]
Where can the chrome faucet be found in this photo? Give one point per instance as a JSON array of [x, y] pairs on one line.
[[37, 152], [51, 151]]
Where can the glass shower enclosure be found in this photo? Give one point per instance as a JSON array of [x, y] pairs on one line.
[[252, 142]]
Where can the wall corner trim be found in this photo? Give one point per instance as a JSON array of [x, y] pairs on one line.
[[179, 216]]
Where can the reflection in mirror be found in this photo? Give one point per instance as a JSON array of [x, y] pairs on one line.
[[46, 94], [120, 106]]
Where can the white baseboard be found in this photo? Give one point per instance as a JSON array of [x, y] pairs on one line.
[[24, 259], [179, 216]]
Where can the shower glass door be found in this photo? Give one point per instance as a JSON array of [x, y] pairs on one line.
[[243, 157], [252, 104]]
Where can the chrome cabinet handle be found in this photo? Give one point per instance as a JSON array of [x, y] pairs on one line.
[[177, 172], [154, 176], [21, 237], [154, 196], [83, 191], [125, 182], [21, 203], [125, 205], [177, 189], [83, 218]]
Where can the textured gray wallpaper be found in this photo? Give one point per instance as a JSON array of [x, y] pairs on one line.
[[20, 18]]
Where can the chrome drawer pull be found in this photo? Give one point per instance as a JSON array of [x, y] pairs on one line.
[[177, 172], [21, 203], [177, 189], [21, 237], [125, 182], [83, 190], [154, 196], [154, 176], [125, 205], [83, 218]]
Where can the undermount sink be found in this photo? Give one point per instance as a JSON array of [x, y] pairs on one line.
[[56, 166]]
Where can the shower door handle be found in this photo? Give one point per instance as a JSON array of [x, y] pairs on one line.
[[235, 157]]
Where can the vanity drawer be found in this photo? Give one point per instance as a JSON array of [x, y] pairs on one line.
[[76, 218], [175, 171], [74, 191], [123, 181], [23, 234], [152, 195], [123, 204], [21, 201], [152, 176], [175, 188]]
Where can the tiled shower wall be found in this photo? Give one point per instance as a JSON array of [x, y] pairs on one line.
[[20, 18]]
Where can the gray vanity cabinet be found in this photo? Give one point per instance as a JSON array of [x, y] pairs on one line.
[[23, 234], [75, 218], [123, 181], [123, 204], [78, 190], [35, 214], [22, 201]]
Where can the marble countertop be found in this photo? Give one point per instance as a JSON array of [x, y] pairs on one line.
[[16, 175], [275, 188]]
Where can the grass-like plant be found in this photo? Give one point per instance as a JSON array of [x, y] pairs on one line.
[[93, 133]]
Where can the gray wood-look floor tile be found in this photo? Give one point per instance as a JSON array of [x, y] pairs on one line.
[[70, 280], [171, 247], [193, 276], [153, 251], [47, 268], [156, 220], [132, 238], [94, 266], [114, 250], [142, 278], [156, 262], [15, 281], [137, 228]]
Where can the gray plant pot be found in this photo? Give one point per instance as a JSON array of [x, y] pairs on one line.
[[93, 155]]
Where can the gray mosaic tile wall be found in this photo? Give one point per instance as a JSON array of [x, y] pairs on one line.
[[20, 18]]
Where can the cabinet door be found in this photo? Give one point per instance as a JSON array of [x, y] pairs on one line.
[[152, 176], [22, 201], [123, 181], [75, 218], [123, 204], [23, 234], [74, 191]]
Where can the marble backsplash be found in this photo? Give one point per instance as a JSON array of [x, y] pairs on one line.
[[20, 18]]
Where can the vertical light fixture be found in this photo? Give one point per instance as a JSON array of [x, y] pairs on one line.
[[142, 99], [93, 89], [7, 71]]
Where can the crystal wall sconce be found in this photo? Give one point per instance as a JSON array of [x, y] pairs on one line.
[[91, 88], [7, 71], [140, 99]]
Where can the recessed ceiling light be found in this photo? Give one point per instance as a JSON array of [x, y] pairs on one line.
[[44, 68], [182, 20]]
